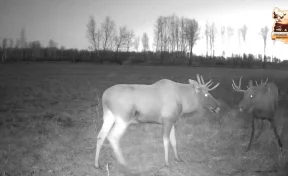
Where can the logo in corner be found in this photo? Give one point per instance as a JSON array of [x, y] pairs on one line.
[[280, 27]]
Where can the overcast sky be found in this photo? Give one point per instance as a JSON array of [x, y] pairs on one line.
[[65, 21]]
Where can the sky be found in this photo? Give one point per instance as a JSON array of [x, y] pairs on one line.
[[65, 21]]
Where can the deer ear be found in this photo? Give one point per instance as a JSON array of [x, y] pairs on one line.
[[250, 84]]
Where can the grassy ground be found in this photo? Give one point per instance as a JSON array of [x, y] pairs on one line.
[[50, 115]]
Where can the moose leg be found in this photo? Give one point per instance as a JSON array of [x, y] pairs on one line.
[[173, 142], [260, 129], [252, 134], [114, 137], [106, 127], [276, 133], [167, 126]]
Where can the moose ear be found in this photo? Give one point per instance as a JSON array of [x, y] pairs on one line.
[[193, 82], [195, 85], [250, 84]]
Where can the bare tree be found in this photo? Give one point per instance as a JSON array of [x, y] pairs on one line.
[[156, 38], [192, 35], [158, 33], [23, 38], [160, 36], [10, 43], [171, 26], [239, 40], [136, 43], [108, 32], [274, 41], [35, 48], [183, 43], [212, 36], [145, 42], [62, 49], [164, 35], [18, 43], [23, 41], [223, 39], [177, 33], [243, 32], [4, 50], [230, 33], [98, 38], [130, 36], [5, 43], [207, 37], [52, 47], [121, 39], [239, 36], [52, 44], [263, 33], [169, 35], [93, 35], [0, 51]]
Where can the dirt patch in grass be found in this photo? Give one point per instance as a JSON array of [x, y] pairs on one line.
[[51, 114]]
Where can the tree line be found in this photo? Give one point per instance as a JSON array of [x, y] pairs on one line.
[[173, 43]]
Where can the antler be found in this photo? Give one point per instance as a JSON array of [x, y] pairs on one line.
[[261, 82], [206, 85], [266, 80], [237, 88]]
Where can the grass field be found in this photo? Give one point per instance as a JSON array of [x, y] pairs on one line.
[[50, 115]]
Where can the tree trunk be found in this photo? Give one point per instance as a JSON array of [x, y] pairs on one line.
[[191, 56], [264, 63]]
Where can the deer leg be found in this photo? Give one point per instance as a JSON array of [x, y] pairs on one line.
[[167, 126], [252, 134], [114, 137], [106, 127], [276, 134], [173, 143]]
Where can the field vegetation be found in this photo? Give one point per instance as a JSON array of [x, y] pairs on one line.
[[50, 115]]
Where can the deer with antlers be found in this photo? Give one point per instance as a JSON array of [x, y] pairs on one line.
[[261, 102], [162, 103]]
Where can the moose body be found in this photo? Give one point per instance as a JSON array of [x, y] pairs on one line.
[[162, 102], [260, 101]]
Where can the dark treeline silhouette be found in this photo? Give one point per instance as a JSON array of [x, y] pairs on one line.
[[174, 40], [135, 58]]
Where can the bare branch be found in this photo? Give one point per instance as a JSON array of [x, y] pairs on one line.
[[108, 32], [91, 34]]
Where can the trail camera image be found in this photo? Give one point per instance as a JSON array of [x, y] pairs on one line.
[[281, 20]]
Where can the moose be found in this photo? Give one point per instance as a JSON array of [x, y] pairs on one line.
[[260, 101], [161, 103]]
